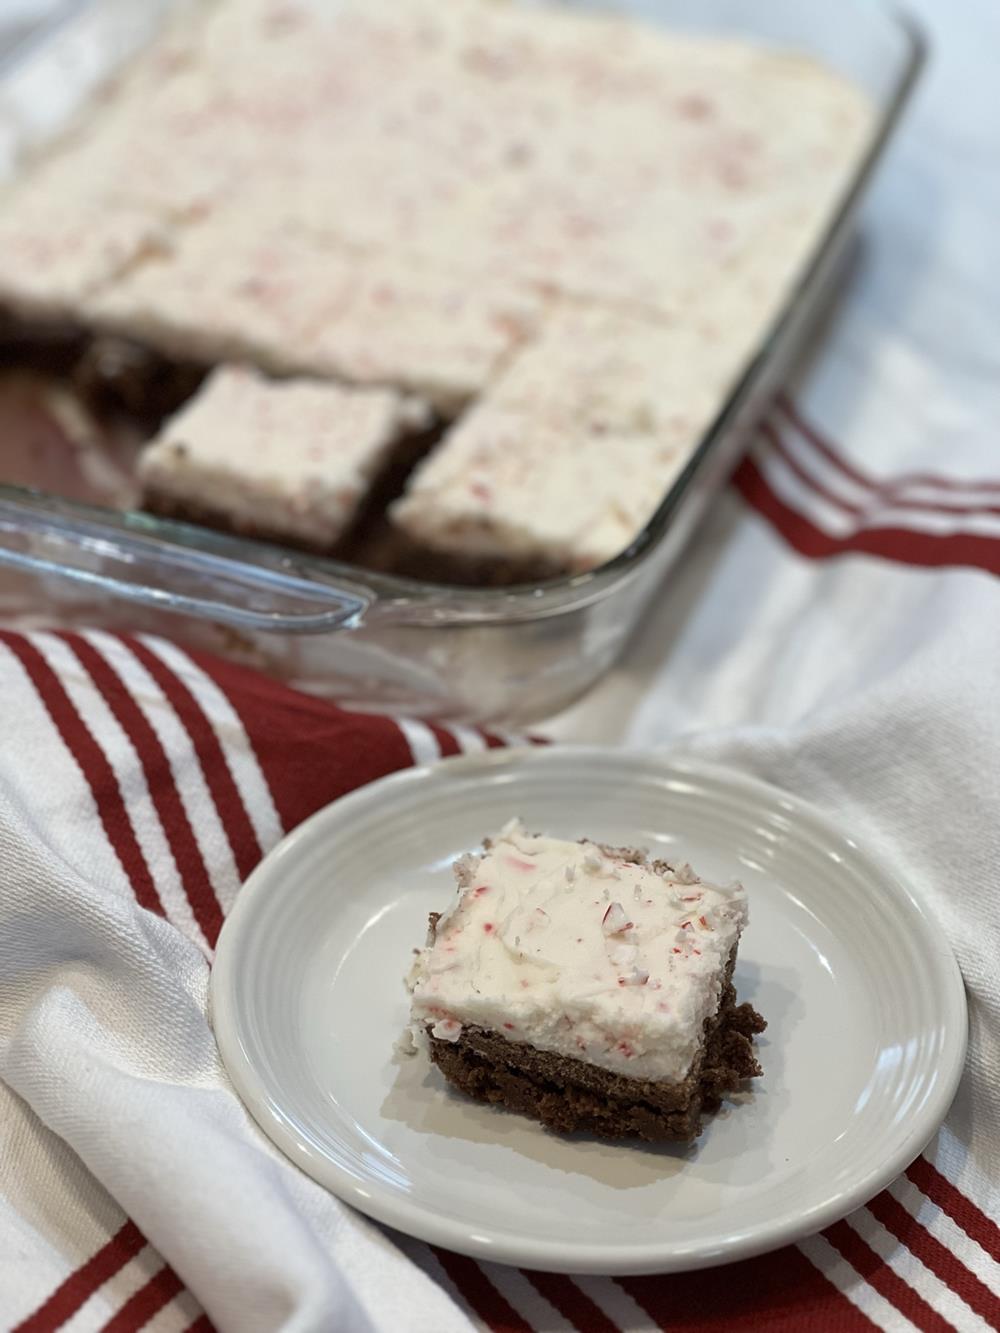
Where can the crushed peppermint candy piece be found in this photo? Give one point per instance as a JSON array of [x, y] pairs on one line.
[[446, 1029], [685, 875], [614, 920], [637, 977], [623, 955]]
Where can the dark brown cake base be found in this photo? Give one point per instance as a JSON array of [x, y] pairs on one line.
[[120, 377], [393, 552], [114, 377], [568, 1095]]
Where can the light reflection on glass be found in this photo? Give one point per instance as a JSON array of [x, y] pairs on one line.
[[822, 959], [767, 834], [751, 864]]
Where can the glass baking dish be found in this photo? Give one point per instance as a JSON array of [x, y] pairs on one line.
[[384, 642]]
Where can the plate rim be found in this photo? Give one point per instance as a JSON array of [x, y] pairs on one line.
[[421, 1221]]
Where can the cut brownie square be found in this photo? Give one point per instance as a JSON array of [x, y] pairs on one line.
[[586, 987], [229, 289], [290, 460], [55, 250], [566, 456], [235, 287]]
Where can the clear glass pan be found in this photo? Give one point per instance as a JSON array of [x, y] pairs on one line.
[[511, 654]]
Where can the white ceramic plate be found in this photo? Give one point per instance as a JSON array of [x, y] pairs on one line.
[[863, 1053]]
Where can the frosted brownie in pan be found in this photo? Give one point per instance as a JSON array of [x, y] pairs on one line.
[[287, 460], [566, 457], [411, 196], [282, 299], [586, 987], [55, 252]]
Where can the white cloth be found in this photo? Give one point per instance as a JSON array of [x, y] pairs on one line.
[[104, 1036], [866, 685]]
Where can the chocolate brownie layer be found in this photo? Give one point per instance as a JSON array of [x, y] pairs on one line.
[[567, 1094], [120, 376], [113, 376], [392, 551]]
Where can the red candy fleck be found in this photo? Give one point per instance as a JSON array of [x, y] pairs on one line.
[[692, 898], [697, 951], [524, 984], [488, 926], [685, 925], [480, 889], [518, 864], [704, 923], [621, 981], [676, 950], [509, 1027], [480, 491], [626, 1050]]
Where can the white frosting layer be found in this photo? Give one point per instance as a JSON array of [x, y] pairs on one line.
[[567, 456], [289, 457], [577, 952], [57, 249], [226, 291], [245, 283]]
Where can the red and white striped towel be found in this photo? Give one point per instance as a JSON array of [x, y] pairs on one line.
[[138, 785], [836, 628]]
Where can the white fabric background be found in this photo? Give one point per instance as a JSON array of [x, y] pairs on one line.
[[867, 687]]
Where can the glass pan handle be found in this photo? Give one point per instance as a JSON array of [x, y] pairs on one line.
[[111, 553]]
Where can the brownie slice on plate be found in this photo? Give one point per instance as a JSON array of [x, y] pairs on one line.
[[587, 987]]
